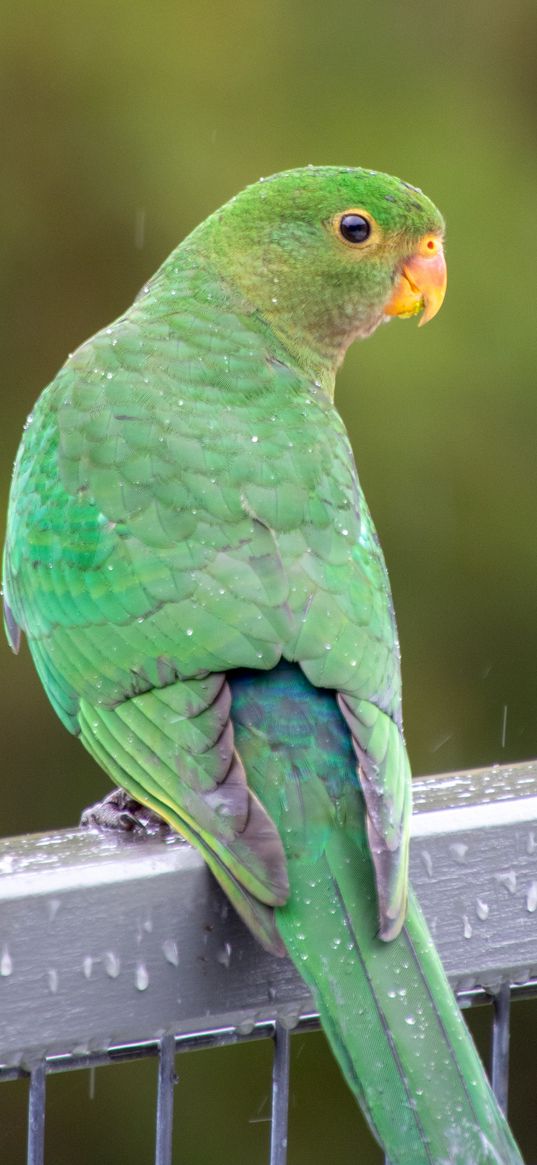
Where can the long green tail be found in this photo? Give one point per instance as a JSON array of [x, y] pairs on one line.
[[386, 1008]]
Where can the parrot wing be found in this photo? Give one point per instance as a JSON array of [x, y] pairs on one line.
[[109, 571]]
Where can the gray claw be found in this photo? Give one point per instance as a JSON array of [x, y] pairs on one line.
[[120, 811]]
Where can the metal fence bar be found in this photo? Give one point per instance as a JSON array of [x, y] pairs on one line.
[[71, 979], [280, 1094], [500, 1045], [36, 1116], [165, 1096], [167, 1048]]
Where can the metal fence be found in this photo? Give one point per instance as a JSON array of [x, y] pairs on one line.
[[114, 947]]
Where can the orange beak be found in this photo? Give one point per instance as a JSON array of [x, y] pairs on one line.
[[422, 282]]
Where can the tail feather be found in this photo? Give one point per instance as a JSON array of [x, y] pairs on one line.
[[386, 1007], [395, 1028]]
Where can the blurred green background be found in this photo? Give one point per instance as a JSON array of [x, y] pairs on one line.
[[125, 124]]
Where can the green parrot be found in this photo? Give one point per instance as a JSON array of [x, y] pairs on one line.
[[192, 560]]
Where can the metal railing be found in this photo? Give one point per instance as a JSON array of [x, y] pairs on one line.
[[116, 947]]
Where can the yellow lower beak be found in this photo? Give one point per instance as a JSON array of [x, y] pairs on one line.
[[422, 283]]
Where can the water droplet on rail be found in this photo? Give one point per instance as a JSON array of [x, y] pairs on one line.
[[224, 955], [458, 850], [53, 905], [531, 897], [245, 1027], [508, 880], [141, 977], [427, 861], [481, 909], [112, 964], [53, 980], [6, 963], [171, 954]]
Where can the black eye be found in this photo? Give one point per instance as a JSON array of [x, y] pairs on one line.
[[355, 228]]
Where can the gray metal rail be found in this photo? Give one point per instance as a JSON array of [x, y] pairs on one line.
[[113, 946]]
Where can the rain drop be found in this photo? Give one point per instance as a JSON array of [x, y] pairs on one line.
[[508, 880], [171, 954], [6, 963], [427, 861], [245, 1028], [112, 964], [531, 897], [224, 955], [458, 850], [141, 977]]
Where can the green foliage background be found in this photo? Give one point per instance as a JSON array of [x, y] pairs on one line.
[[125, 124]]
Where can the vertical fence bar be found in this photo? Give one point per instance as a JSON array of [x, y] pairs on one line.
[[166, 1085], [36, 1116], [500, 1045], [280, 1094]]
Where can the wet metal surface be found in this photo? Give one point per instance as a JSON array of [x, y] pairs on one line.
[[107, 940]]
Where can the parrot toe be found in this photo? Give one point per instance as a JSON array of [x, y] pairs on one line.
[[120, 811]]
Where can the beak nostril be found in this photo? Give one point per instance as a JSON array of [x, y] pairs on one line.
[[429, 246]]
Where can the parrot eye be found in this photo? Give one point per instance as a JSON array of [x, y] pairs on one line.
[[354, 228]]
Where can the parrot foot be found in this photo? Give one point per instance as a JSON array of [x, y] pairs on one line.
[[120, 811]]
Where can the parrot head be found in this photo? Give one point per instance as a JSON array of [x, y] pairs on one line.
[[326, 254]]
